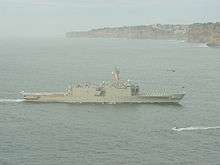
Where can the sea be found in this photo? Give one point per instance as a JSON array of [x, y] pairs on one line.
[[120, 134]]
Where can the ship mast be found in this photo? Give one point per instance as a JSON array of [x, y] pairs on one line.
[[116, 74]]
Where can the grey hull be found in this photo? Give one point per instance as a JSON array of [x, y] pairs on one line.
[[102, 100]]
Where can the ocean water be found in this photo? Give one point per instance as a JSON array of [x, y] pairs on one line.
[[53, 134]]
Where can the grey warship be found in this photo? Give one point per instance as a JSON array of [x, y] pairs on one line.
[[111, 92]]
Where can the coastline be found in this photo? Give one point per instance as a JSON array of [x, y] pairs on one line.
[[207, 33]]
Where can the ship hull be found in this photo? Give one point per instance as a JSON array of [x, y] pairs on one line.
[[62, 98]]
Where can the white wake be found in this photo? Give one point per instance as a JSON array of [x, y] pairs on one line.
[[194, 128], [11, 100], [200, 46]]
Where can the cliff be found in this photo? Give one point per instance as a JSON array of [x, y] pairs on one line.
[[157, 31], [198, 32], [203, 32]]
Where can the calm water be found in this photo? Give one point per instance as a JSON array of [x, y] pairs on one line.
[[56, 134]]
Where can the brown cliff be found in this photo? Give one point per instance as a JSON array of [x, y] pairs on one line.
[[203, 33]]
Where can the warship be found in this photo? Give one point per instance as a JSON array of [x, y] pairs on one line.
[[111, 92]]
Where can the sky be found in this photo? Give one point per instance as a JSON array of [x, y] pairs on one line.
[[55, 17]]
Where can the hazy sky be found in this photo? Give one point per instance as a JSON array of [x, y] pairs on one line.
[[55, 17]]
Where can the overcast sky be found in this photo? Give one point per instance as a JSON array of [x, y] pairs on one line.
[[55, 17]]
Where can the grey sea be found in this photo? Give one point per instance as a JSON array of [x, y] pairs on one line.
[[58, 133]]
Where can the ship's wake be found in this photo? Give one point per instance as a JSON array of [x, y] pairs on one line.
[[194, 128], [11, 100], [200, 46]]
